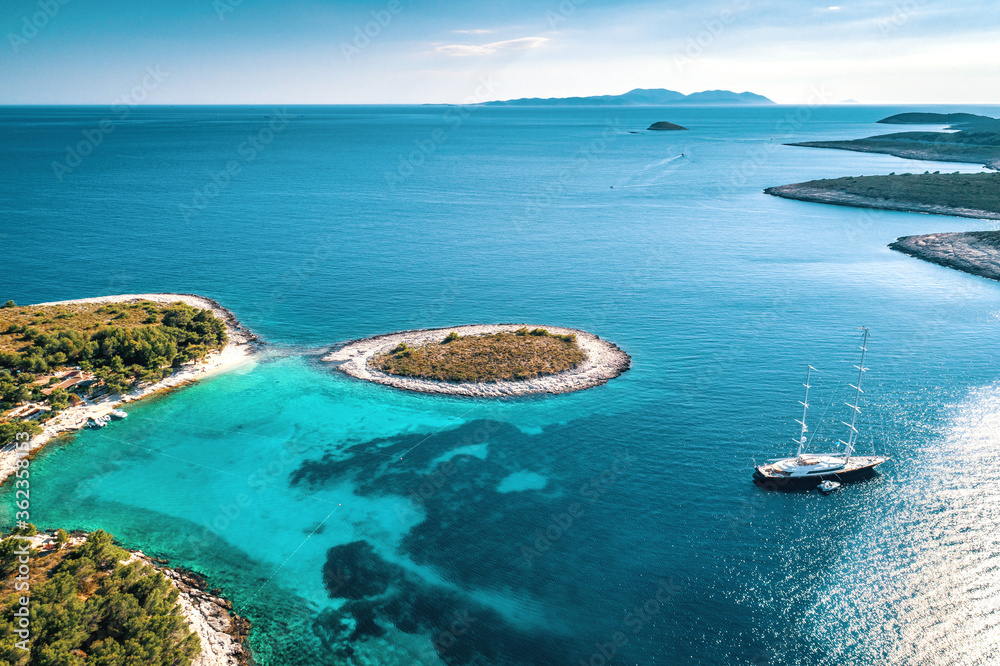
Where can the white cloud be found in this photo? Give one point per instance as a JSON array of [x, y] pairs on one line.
[[478, 31], [486, 49]]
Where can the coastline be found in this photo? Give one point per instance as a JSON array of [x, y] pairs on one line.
[[967, 251], [802, 192], [221, 632], [604, 361], [238, 351], [908, 150]]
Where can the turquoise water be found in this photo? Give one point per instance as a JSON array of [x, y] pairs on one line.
[[358, 524]]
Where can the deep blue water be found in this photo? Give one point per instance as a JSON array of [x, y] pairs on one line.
[[358, 524]]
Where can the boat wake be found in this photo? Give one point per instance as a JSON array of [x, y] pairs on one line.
[[653, 174]]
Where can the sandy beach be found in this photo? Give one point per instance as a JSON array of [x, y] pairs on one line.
[[604, 361], [238, 351], [801, 192], [975, 252]]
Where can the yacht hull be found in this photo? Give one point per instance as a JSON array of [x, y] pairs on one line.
[[767, 477]]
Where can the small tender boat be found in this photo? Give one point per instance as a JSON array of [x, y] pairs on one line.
[[98, 422], [810, 470], [828, 486], [118, 414]]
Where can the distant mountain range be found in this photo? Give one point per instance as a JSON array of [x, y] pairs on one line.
[[645, 97]]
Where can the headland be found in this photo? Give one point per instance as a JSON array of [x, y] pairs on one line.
[[239, 345]]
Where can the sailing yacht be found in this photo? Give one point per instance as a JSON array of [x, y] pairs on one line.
[[808, 470]]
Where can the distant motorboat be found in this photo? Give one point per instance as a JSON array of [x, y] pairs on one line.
[[118, 414], [810, 470]]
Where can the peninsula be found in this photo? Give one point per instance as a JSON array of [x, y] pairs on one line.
[[976, 195], [484, 360], [977, 140], [975, 252], [92, 600], [962, 194], [66, 363]]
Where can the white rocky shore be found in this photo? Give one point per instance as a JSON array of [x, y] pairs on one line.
[[975, 252], [220, 631], [604, 361], [238, 351]]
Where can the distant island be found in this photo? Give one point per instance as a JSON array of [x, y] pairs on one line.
[[977, 140], [918, 118], [484, 360], [645, 97], [663, 125]]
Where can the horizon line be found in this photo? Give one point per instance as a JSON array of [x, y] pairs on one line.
[[603, 106]]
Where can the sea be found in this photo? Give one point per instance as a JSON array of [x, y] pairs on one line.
[[353, 523]]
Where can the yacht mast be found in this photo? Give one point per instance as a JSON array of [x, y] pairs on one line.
[[853, 435], [805, 408]]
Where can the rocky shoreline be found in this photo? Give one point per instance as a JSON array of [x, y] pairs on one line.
[[801, 192], [239, 350], [987, 156], [222, 633], [975, 252], [604, 361]]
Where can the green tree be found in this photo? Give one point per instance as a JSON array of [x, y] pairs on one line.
[[29, 529], [9, 549], [58, 399], [9, 430], [90, 604]]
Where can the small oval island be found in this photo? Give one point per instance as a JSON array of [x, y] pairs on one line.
[[663, 125], [484, 360]]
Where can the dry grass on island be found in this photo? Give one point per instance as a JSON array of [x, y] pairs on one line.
[[565, 360], [503, 356]]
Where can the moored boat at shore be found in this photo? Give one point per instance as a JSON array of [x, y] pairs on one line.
[[809, 470], [97, 421]]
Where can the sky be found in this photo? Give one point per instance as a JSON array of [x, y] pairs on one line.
[[426, 51]]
